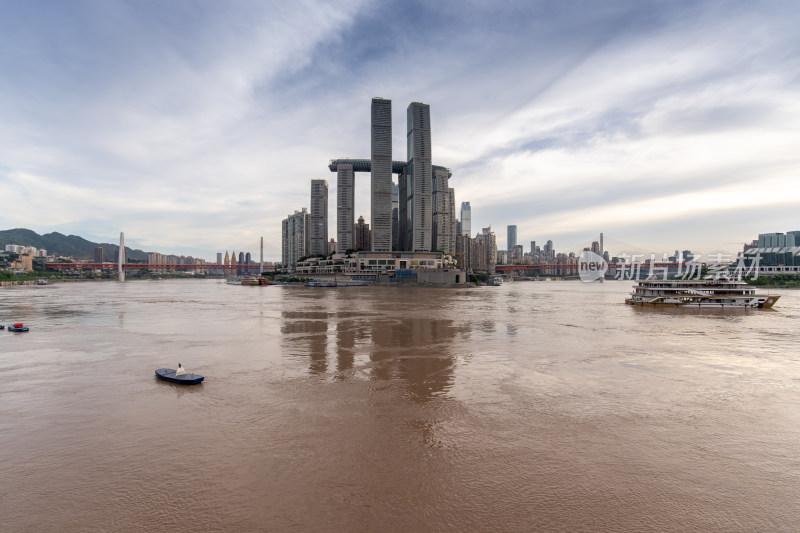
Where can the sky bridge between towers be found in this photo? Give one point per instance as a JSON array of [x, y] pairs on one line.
[[365, 165]]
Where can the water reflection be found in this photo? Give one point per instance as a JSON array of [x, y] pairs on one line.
[[305, 333], [414, 351]]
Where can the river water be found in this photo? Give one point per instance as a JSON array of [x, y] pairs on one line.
[[532, 406]]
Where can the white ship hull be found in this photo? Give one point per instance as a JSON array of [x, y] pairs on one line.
[[699, 293]]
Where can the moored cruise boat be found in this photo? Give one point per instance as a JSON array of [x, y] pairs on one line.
[[699, 293]]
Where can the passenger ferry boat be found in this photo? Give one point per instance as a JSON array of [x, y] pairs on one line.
[[699, 293]]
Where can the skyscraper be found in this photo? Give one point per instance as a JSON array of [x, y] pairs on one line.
[[420, 176], [294, 237], [99, 254], [512, 237], [466, 218], [345, 193], [381, 173], [362, 234], [395, 215], [443, 213], [318, 239]]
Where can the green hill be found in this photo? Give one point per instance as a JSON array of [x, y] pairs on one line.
[[66, 245]]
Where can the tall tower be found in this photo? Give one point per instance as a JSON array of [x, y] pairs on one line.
[[318, 238], [443, 212], [381, 170], [511, 237], [294, 237], [420, 176], [345, 198], [395, 216], [466, 219], [121, 256]]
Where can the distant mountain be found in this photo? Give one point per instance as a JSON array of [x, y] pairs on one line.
[[66, 245]]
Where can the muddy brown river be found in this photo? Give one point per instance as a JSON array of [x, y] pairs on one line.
[[534, 406]]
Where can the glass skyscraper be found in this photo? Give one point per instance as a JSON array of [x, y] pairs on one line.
[[511, 237], [420, 177], [466, 219], [381, 173]]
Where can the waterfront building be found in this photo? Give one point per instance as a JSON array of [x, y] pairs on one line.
[[318, 238], [345, 201], [395, 214], [511, 237], [155, 258], [23, 263], [419, 178], [464, 252], [233, 271], [502, 257], [466, 219], [451, 214], [549, 251], [443, 213], [515, 255], [777, 253], [411, 228], [99, 254], [335, 264], [295, 237], [362, 232], [381, 175], [478, 255], [490, 244]]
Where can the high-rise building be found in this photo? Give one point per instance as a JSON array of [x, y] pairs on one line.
[[99, 254], [318, 239], [533, 247], [395, 215], [362, 234], [443, 213], [345, 200], [515, 255], [419, 183], [466, 219], [294, 241], [381, 173], [490, 245], [451, 213], [511, 241]]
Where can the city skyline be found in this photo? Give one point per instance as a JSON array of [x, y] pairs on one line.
[[662, 125]]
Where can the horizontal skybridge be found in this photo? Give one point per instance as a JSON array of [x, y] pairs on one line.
[[365, 165]]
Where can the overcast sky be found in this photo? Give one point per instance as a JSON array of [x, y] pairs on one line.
[[196, 127]]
